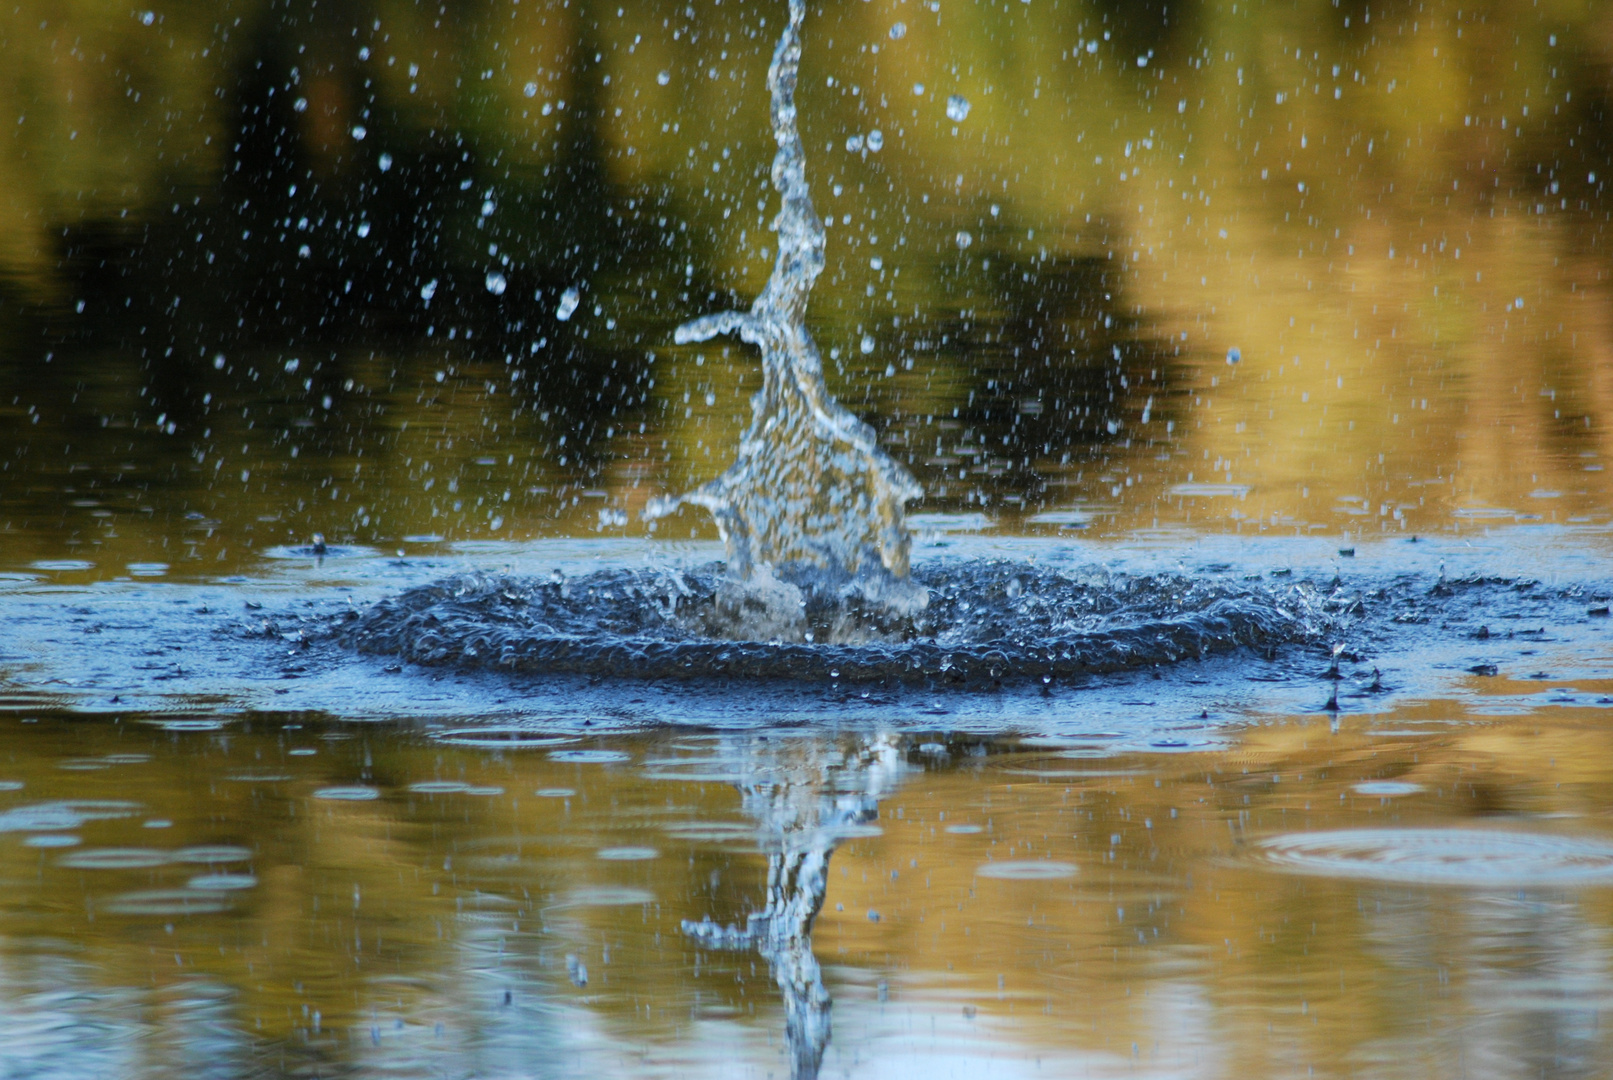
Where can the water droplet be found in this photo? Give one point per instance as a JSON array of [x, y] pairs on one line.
[[867, 344], [568, 304], [876, 263], [854, 143], [488, 206], [918, 89], [876, 140], [147, 18], [957, 108], [385, 162], [664, 78], [359, 132], [496, 283], [964, 239], [1234, 354], [898, 31], [530, 89], [292, 365], [428, 290], [363, 229], [300, 105]]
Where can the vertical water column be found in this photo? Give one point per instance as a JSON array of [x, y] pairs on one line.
[[809, 491]]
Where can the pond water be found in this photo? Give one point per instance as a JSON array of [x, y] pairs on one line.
[[1247, 710]]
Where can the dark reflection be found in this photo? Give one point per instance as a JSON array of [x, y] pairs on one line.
[[1056, 371], [806, 796]]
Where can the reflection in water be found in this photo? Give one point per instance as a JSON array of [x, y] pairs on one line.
[[304, 274], [807, 797], [1101, 910]]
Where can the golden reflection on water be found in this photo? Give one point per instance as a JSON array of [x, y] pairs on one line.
[[406, 903], [1395, 215]]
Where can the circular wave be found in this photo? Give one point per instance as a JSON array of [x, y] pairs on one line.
[[986, 621], [1466, 857]]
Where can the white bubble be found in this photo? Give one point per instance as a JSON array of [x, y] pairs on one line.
[[867, 344], [964, 239], [957, 108], [663, 78], [918, 89], [359, 132], [530, 89], [568, 304], [876, 263], [148, 17], [300, 105], [854, 143], [876, 140], [1092, 46], [496, 284], [385, 162], [898, 31]]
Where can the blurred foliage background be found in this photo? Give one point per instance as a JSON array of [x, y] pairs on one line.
[[268, 269]]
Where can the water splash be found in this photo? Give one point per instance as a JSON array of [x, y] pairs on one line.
[[810, 493]]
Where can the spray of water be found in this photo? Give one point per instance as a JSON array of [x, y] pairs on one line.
[[810, 492]]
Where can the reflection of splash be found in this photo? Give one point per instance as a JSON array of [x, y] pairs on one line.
[[806, 799], [809, 485]]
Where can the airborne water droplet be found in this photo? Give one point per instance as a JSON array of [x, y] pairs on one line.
[[876, 140], [385, 162], [568, 304], [664, 78], [964, 239], [898, 31], [957, 108], [530, 89], [867, 344], [496, 283]]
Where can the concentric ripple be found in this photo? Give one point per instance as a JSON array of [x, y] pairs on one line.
[[1463, 857], [986, 621]]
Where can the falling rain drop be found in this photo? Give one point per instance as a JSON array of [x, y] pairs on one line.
[[496, 283], [363, 229], [385, 162], [898, 31], [428, 290], [867, 344], [876, 140], [568, 304], [359, 132], [1234, 355], [664, 78], [964, 239], [530, 89], [957, 108]]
